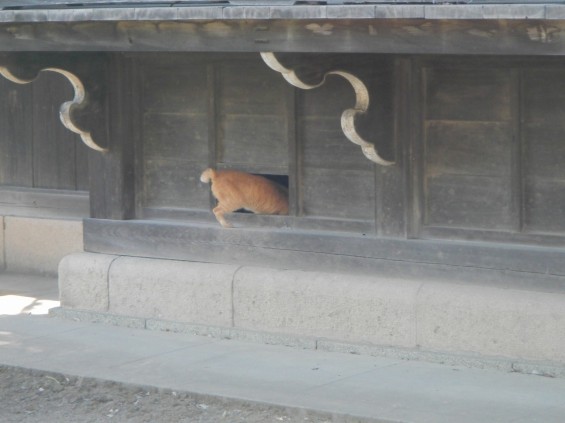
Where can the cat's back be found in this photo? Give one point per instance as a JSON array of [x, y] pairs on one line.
[[253, 192]]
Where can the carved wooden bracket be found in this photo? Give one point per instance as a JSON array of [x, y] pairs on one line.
[[348, 116], [84, 114]]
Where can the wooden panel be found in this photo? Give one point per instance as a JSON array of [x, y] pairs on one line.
[[174, 135], [544, 96], [347, 194], [468, 202], [544, 150], [177, 88], [468, 150], [471, 148], [251, 140], [545, 206], [16, 134], [473, 94], [252, 116], [338, 181], [174, 183], [326, 146]]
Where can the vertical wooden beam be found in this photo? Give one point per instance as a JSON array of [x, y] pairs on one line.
[[517, 205], [390, 181], [112, 173], [294, 154], [409, 147], [213, 81]]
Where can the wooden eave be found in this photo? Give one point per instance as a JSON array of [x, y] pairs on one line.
[[492, 29]]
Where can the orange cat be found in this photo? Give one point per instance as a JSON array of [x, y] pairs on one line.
[[236, 190]]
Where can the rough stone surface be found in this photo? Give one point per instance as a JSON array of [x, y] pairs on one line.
[[491, 321], [35, 245], [83, 281], [345, 307], [313, 309], [172, 290]]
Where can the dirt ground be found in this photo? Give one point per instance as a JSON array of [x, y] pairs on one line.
[[29, 396]]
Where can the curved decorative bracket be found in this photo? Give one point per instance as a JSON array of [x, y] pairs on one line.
[[349, 115], [83, 107], [65, 110]]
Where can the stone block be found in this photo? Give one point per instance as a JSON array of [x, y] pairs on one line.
[[453, 12], [351, 12], [83, 281], [492, 321], [34, 245], [397, 11], [255, 12], [172, 290], [340, 307]]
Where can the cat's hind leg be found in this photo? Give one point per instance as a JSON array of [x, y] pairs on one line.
[[219, 213]]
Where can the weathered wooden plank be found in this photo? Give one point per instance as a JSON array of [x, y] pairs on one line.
[[318, 250], [465, 201], [472, 94], [402, 36], [249, 87], [16, 134], [54, 146], [43, 202], [347, 194], [112, 183], [248, 139], [545, 211], [325, 146], [174, 86], [466, 147], [182, 135], [175, 183], [544, 96]]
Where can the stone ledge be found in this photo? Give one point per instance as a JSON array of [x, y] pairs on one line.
[[458, 318]]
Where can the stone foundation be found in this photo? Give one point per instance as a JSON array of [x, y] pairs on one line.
[[371, 311]]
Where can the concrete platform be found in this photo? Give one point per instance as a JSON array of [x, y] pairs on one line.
[[375, 388]]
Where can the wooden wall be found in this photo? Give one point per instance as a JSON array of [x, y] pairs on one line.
[[493, 149], [36, 150], [234, 112]]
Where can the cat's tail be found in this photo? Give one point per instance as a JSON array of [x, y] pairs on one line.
[[208, 175]]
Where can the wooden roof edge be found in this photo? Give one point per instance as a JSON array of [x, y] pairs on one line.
[[351, 12]]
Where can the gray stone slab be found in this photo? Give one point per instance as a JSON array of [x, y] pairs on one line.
[[345, 307], [34, 245], [70, 15], [351, 12], [522, 11], [29, 285], [491, 321], [191, 292], [341, 384], [155, 14], [412, 11], [246, 12], [302, 12], [453, 11], [555, 11], [199, 13], [113, 14], [83, 281]]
